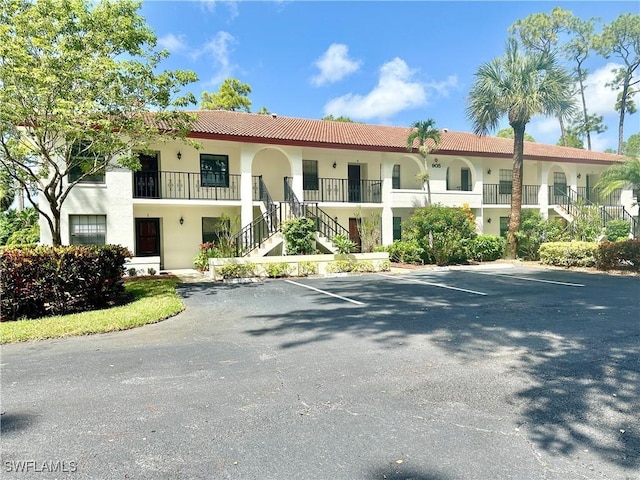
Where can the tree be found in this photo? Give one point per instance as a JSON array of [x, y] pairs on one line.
[[263, 111], [577, 49], [571, 140], [508, 133], [232, 95], [519, 87], [580, 128], [632, 146], [337, 119], [428, 139], [621, 175], [540, 32], [7, 189], [621, 38], [77, 82]]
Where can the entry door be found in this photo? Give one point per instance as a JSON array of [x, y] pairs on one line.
[[147, 237], [147, 178], [354, 233], [354, 183], [465, 180]]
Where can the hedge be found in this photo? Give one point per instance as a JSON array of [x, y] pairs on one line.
[[38, 281], [623, 255], [569, 254]]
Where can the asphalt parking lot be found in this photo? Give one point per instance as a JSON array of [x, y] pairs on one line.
[[513, 373]]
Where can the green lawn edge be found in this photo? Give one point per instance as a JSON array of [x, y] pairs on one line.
[[155, 299]]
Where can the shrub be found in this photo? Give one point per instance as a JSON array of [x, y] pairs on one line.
[[441, 232], [364, 266], [236, 270], [299, 236], [405, 252], [132, 272], [487, 248], [340, 266], [587, 224], [569, 254], [307, 268], [617, 230], [276, 270], [19, 227], [39, 281], [535, 230], [151, 271], [343, 243], [619, 255], [207, 250]]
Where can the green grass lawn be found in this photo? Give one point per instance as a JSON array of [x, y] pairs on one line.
[[154, 299]]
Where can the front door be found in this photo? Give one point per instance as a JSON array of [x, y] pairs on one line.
[[147, 178], [465, 180], [354, 183], [147, 237]]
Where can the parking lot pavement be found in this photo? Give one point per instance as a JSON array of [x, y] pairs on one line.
[[449, 374]]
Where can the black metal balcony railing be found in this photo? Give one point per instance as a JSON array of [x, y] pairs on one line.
[[343, 190], [190, 186], [496, 194]]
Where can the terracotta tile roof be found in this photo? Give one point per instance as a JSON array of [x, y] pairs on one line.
[[276, 129]]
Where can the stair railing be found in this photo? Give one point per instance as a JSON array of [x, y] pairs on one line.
[[326, 225]]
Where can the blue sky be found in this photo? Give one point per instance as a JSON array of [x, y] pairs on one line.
[[390, 62]]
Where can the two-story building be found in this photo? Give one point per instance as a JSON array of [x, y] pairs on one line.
[[262, 169]]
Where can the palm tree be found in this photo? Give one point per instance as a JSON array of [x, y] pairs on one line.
[[621, 175], [428, 139], [519, 87]]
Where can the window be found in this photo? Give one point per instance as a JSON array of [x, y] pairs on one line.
[[83, 160], [395, 179], [310, 175], [215, 227], [397, 228], [87, 229], [214, 170], [504, 226], [506, 178]]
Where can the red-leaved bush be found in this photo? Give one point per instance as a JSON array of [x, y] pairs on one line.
[[37, 281], [623, 255]]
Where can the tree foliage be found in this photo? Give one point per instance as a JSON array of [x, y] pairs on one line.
[[621, 175], [232, 96], [337, 119], [621, 39], [428, 137], [518, 86], [80, 76], [508, 133]]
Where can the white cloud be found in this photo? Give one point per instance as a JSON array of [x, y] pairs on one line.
[[173, 43], [210, 6], [334, 65], [396, 91], [601, 99], [218, 49]]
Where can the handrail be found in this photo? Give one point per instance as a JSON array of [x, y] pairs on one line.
[[325, 224], [256, 233]]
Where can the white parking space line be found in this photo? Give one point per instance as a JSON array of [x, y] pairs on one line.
[[439, 285], [356, 302], [506, 275]]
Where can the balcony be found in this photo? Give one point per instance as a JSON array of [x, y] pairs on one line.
[[342, 190], [190, 186], [500, 194]]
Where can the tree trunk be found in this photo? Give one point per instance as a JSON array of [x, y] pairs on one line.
[[623, 109], [585, 115], [428, 191], [516, 189], [563, 131]]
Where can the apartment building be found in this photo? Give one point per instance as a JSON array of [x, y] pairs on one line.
[[262, 169]]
